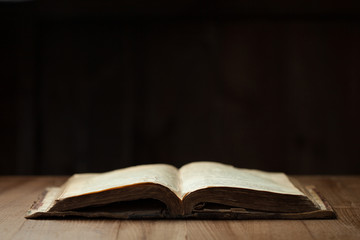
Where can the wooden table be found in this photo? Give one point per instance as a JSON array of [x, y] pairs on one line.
[[18, 193]]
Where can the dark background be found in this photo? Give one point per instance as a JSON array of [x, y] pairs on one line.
[[90, 86]]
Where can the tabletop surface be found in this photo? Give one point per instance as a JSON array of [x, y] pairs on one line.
[[17, 193]]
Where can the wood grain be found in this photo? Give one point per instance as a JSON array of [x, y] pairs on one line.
[[18, 193]]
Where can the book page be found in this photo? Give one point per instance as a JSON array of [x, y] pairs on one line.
[[199, 175], [81, 184]]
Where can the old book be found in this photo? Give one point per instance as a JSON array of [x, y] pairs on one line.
[[199, 190]]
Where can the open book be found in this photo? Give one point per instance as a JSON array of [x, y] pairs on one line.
[[201, 190]]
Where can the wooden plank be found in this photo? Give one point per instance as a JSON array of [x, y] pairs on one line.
[[17, 194], [272, 94], [177, 113], [197, 7], [152, 230], [8, 76], [68, 229], [320, 85], [28, 113], [342, 192], [86, 97]]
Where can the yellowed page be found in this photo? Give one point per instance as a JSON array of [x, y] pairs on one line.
[[199, 175], [81, 184]]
